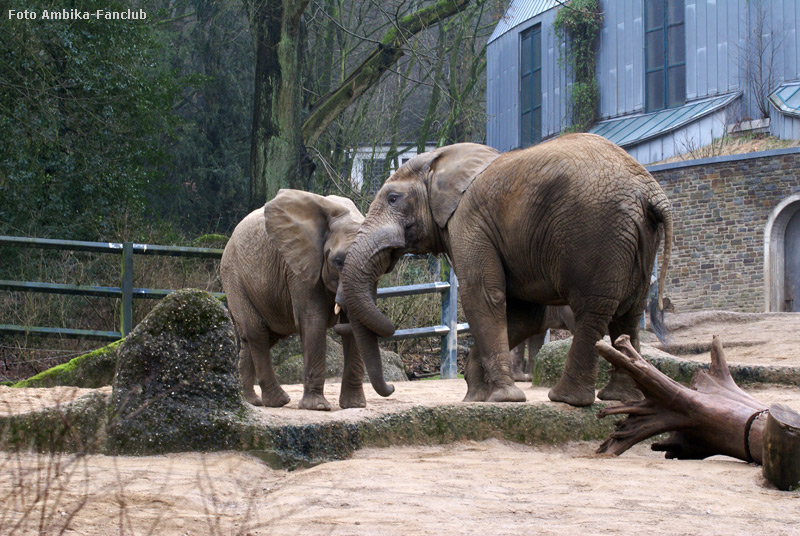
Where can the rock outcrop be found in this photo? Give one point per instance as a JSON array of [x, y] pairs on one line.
[[176, 386]]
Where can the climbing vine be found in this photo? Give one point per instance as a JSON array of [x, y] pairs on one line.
[[579, 21]]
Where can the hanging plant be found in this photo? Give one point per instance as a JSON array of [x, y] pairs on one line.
[[580, 21]]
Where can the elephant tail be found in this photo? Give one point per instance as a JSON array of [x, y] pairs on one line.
[[661, 212]]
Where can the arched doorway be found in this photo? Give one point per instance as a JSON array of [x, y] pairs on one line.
[[782, 257], [791, 255]]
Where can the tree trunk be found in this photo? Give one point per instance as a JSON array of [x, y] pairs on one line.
[[278, 157], [712, 416]]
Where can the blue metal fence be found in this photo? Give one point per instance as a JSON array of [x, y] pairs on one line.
[[448, 330]]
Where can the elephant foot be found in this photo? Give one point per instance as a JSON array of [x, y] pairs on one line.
[[571, 393], [477, 393], [352, 398], [251, 397], [620, 387], [274, 398], [506, 393], [521, 376], [314, 401]]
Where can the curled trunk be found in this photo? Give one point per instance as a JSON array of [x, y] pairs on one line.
[[369, 257]]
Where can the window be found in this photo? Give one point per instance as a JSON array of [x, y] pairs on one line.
[[665, 54], [531, 86], [374, 174]]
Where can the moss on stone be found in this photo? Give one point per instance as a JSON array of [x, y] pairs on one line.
[[89, 371], [176, 386], [75, 427], [211, 239]]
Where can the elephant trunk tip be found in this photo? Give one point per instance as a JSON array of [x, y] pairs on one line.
[[385, 390]]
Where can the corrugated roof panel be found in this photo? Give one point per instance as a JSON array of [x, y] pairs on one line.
[[632, 130], [519, 12], [787, 98]]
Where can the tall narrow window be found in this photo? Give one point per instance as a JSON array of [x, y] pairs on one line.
[[665, 54], [531, 86]]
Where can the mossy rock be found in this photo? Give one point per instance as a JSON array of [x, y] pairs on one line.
[[88, 371], [176, 387], [549, 363], [288, 360]]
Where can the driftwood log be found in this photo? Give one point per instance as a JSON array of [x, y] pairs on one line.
[[712, 416]]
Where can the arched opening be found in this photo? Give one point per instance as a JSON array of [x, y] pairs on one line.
[[782, 257]]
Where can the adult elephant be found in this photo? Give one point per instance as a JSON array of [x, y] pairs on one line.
[[573, 221], [280, 271]]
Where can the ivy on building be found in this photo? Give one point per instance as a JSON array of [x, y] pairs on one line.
[[579, 22]]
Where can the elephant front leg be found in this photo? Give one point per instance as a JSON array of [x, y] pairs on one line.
[[485, 308], [352, 394], [518, 363], [313, 338], [477, 388]]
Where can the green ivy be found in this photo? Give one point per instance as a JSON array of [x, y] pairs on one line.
[[580, 21]]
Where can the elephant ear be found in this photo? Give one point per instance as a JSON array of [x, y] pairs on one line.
[[452, 170], [297, 222], [341, 207]]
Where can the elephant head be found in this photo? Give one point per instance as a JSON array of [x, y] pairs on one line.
[[409, 215], [313, 234]]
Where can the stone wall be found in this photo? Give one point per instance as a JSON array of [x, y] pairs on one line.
[[721, 207]]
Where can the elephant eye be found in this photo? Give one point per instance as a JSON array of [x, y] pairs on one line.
[[338, 262], [393, 198]]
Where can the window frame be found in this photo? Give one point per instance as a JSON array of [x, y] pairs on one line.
[[672, 73], [529, 76]]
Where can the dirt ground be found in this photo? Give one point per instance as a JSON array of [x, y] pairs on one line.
[[462, 488]]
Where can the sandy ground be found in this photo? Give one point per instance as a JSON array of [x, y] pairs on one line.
[[462, 488]]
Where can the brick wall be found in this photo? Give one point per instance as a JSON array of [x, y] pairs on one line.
[[720, 209]]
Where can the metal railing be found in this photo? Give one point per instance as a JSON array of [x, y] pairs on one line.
[[448, 330]]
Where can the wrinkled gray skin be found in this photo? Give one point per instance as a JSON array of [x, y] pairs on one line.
[[573, 221], [280, 271], [555, 317]]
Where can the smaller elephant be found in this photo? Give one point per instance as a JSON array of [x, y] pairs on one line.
[[280, 271], [555, 317]]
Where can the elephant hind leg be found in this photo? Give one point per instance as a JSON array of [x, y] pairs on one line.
[[254, 354], [621, 386], [272, 394], [577, 382], [247, 373]]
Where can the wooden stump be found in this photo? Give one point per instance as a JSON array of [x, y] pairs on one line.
[[712, 416], [782, 447]]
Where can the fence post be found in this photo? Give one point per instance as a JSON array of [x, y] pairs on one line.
[[449, 368], [127, 288]]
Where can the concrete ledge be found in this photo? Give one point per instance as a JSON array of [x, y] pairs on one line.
[[426, 412]]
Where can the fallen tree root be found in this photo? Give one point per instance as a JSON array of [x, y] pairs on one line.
[[712, 416]]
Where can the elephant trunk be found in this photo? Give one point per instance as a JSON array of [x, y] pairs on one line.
[[367, 344], [369, 257]]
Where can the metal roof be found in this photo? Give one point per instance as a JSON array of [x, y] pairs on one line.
[[631, 130], [787, 98], [519, 12]]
